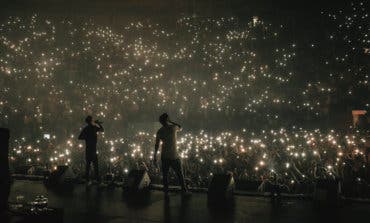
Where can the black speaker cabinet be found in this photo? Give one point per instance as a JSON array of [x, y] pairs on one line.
[[4, 168], [327, 192], [138, 180], [221, 188], [61, 176]]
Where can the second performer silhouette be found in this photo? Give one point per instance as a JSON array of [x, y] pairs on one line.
[[89, 134], [167, 134]]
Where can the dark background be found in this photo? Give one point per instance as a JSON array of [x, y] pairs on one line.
[[302, 16], [164, 8]]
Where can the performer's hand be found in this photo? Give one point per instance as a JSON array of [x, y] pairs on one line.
[[98, 122]]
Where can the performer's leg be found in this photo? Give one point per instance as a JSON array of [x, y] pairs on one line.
[[176, 165], [88, 163], [96, 167], [165, 169]]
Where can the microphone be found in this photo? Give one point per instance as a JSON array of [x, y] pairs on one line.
[[98, 122]]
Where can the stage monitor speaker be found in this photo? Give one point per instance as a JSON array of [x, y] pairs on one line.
[[4, 168], [62, 175], [327, 192], [138, 180], [222, 187], [37, 171], [22, 170]]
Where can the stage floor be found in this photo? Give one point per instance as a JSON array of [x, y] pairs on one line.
[[111, 205]]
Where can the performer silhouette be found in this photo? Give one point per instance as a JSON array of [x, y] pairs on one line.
[[169, 155], [89, 134]]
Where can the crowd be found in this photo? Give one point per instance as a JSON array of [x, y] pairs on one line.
[[253, 100]]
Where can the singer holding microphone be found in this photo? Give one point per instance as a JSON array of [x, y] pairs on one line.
[[89, 134], [170, 158]]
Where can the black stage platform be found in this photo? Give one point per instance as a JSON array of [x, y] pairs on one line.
[[111, 205]]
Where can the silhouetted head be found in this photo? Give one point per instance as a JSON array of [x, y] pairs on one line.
[[163, 119], [89, 119]]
